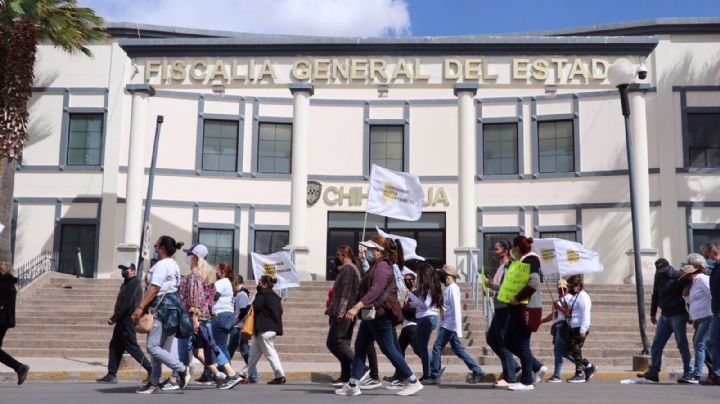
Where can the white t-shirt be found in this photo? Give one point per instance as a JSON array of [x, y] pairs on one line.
[[452, 303], [166, 275], [225, 302], [699, 298]]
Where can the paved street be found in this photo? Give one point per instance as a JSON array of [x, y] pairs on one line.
[[604, 392]]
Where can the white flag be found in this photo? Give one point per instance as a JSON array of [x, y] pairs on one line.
[[279, 266], [566, 258], [409, 245], [395, 194], [1, 227]]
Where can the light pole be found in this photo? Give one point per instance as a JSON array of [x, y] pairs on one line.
[[621, 74]]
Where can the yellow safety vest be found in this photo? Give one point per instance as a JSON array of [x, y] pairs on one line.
[[516, 279]]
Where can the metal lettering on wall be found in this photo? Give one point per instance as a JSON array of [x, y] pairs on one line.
[[380, 70], [354, 196]]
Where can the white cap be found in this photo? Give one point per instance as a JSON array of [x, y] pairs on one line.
[[371, 244], [197, 249]]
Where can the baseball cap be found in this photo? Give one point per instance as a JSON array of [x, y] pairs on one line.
[[371, 244], [127, 265], [197, 249]]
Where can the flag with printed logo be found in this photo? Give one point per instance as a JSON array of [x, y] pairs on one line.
[[395, 194], [409, 245], [566, 258], [278, 265]]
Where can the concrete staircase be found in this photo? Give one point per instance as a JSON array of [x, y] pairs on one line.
[[66, 317]]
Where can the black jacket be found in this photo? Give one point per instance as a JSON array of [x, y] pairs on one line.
[[8, 293], [268, 312], [128, 299], [715, 289], [667, 292]]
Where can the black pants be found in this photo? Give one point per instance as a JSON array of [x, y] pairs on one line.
[[5, 357], [574, 347], [124, 339], [338, 343], [404, 341]]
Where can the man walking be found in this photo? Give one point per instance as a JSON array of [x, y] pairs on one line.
[[124, 337], [667, 294]]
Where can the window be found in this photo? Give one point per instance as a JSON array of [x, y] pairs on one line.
[[500, 149], [220, 145], [704, 139], [556, 147], [270, 241], [701, 237], [220, 245], [386, 147], [347, 228], [274, 148], [73, 236], [563, 235], [85, 140], [491, 262]]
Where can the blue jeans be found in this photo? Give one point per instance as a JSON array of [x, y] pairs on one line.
[[700, 342], [379, 330], [667, 326], [520, 346], [421, 339], [222, 325], [560, 351], [184, 354], [445, 336], [497, 340], [235, 343], [715, 342]]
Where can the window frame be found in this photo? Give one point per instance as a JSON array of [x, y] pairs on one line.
[[200, 135], [686, 112], [404, 140], [574, 116], [479, 143], [538, 157], [65, 139], [226, 228], [257, 121], [238, 146], [404, 122], [482, 149]]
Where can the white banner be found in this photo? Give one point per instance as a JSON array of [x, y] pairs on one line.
[[395, 194], [279, 266], [1, 227], [566, 258], [409, 245]]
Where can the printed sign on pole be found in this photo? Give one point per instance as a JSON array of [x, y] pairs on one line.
[[279, 266], [147, 241]]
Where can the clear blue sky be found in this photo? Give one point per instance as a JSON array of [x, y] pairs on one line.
[[460, 17]]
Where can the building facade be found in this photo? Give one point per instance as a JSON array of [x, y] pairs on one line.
[[267, 142]]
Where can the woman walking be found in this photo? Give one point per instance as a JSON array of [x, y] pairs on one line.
[[378, 291], [8, 294], [560, 330], [580, 306], [268, 311], [161, 297], [428, 300], [345, 291], [521, 291], [236, 342], [699, 301], [223, 308], [497, 332]]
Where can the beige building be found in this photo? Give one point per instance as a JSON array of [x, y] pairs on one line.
[[267, 142]]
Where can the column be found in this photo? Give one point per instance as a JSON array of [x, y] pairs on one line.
[[134, 190], [298, 195], [466, 163]]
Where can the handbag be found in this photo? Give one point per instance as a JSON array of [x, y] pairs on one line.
[[369, 313], [145, 323], [248, 328], [564, 326]]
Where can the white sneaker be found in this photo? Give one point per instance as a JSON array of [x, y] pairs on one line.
[[366, 376], [521, 387], [410, 389], [539, 375], [370, 384], [395, 385], [348, 390]]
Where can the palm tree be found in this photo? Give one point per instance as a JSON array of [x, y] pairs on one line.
[[24, 24]]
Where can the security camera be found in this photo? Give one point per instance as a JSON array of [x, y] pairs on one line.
[[642, 71]]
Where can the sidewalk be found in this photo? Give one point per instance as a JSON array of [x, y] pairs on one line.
[[88, 369]]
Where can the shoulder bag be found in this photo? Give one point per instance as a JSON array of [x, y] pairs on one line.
[[369, 313], [145, 323], [248, 328]]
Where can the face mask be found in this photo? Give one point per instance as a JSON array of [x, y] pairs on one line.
[[408, 283], [365, 266], [259, 287], [125, 273], [711, 264], [369, 257], [154, 254]]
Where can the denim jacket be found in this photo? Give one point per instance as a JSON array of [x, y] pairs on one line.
[[171, 314]]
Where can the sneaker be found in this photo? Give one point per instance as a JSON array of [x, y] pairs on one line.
[[539, 375], [410, 388], [203, 381], [590, 372], [231, 382], [146, 380], [711, 381], [148, 388], [521, 387], [278, 380], [653, 377], [554, 379], [348, 390], [22, 373], [370, 384], [183, 378], [107, 379], [220, 379], [168, 385], [578, 378], [389, 379], [395, 385], [429, 381], [475, 378], [688, 379], [338, 382], [366, 375], [502, 384]]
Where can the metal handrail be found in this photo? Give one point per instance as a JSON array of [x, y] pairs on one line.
[[46, 261]]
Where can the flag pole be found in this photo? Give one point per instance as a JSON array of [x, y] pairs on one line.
[[364, 226]]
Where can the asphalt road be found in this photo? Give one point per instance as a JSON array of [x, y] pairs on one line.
[[122, 393]]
